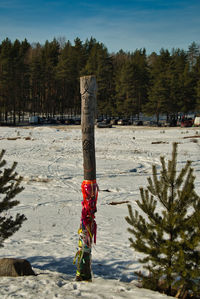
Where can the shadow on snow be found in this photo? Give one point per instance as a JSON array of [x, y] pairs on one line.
[[117, 269]]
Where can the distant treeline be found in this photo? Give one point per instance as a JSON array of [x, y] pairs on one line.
[[44, 79]]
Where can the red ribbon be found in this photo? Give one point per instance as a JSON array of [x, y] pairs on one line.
[[90, 193]]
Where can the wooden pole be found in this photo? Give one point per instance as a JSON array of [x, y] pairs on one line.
[[88, 112], [87, 231]]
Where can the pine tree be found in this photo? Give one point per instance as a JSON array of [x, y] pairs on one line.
[[36, 80], [196, 70], [198, 96], [132, 83], [50, 56], [6, 77], [67, 74], [159, 89], [168, 238], [176, 81], [193, 53], [9, 188]]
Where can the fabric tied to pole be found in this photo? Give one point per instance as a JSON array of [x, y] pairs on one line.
[[90, 194], [88, 228]]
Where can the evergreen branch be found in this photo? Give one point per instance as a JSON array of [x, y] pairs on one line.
[[183, 172], [2, 162], [2, 154], [164, 172], [10, 226], [151, 187], [148, 205], [9, 188], [187, 196], [172, 164], [155, 180], [8, 175]]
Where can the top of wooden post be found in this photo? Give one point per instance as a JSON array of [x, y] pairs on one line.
[[88, 84]]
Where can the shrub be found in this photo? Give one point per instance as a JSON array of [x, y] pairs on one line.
[[168, 237], [9, 188]]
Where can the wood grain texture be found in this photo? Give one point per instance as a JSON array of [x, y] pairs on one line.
[[88, 89]]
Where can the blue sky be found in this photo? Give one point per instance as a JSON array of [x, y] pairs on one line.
[[119, 24]]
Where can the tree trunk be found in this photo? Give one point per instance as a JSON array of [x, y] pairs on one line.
[[89, 187]]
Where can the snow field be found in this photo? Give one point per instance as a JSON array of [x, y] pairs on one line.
[[50, 161]]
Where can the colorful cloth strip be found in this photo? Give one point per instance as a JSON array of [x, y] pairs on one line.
[[88, 227], [90, 194]]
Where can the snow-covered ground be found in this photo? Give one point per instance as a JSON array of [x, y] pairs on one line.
[[50, 160]]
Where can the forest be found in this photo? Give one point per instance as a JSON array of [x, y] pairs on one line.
[[44, 80]]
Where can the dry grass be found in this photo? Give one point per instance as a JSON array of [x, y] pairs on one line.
[[36, 179]]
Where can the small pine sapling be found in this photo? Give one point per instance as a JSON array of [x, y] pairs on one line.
[[168, 238], [9, 188]]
